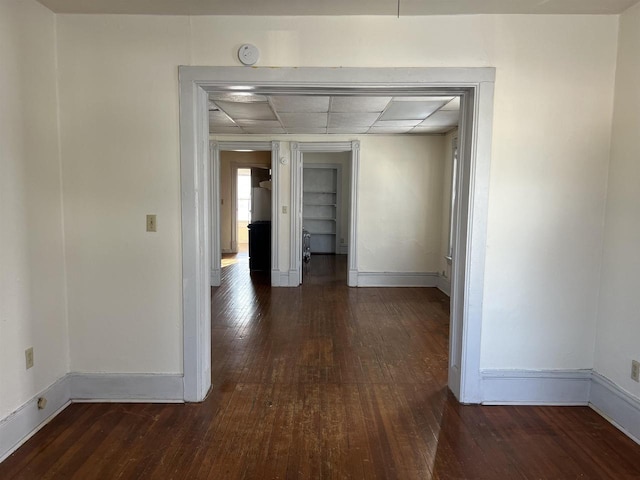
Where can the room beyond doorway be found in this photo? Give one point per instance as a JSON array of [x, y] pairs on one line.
[[326, 206]]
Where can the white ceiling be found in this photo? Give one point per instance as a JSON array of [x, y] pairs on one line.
[[300, 114], [337, 7]]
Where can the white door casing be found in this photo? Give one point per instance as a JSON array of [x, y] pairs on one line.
[[474, 85]]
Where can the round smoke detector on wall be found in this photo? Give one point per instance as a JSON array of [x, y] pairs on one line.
[[248, 54]]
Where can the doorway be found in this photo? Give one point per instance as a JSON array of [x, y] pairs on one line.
[[342, 234], [226, 158], [474, 85]]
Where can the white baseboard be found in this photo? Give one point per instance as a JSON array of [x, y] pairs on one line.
[[343, 250], [19, 426], [216, 277], [293, 278], [499, 387], [397, 279], [23, 423], [616, 405], [352, 278], [284, 279], [536, 387], [126, 387], [444, 285]]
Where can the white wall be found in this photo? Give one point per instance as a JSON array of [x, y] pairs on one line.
[[618, 334], [120, 134], [553, 108], [400, 202], [32, 282]]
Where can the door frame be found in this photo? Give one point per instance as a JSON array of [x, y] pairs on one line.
[[476, 88], [235, 146], [298, 149]]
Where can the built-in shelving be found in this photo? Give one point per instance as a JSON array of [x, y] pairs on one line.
[[320, 206]]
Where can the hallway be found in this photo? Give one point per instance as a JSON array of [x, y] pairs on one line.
[[325, 381]]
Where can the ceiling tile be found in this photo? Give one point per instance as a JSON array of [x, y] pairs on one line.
[[359, 104], [221, 129], [262, 130], [303, 119], [420, 129], [352, 119], [253, 110], [442, 118], [452, 105], [306, 130], [259, 123], [396, 123], [220, 119], [378, 130], [425, 98], [237, 97], [409, 110], [350, 130], [300, 103]]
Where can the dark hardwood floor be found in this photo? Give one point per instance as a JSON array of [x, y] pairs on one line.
[[325, 381]]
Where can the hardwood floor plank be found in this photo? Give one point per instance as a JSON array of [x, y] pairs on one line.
[[325, 382]]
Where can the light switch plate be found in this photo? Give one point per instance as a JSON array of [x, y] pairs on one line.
[[151, 223]]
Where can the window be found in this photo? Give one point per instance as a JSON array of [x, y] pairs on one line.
[[244, 194]]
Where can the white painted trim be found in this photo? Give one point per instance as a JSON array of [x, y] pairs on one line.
[[467, 289], [216, 277], [297, 151], [23, 423], [354, 208], [196, 264], [282, 279], [126, 387], [295, 202], [275, 207], [397, 279], [475, 85], [444, 285], [500, 387], [616, 405], [214, 231], [536, 387]]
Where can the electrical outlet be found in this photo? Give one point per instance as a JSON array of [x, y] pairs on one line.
[[28, 356], [151, 223], [284, 209], [635, 370]]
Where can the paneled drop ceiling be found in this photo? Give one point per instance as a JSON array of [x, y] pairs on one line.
[[299, 114]]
